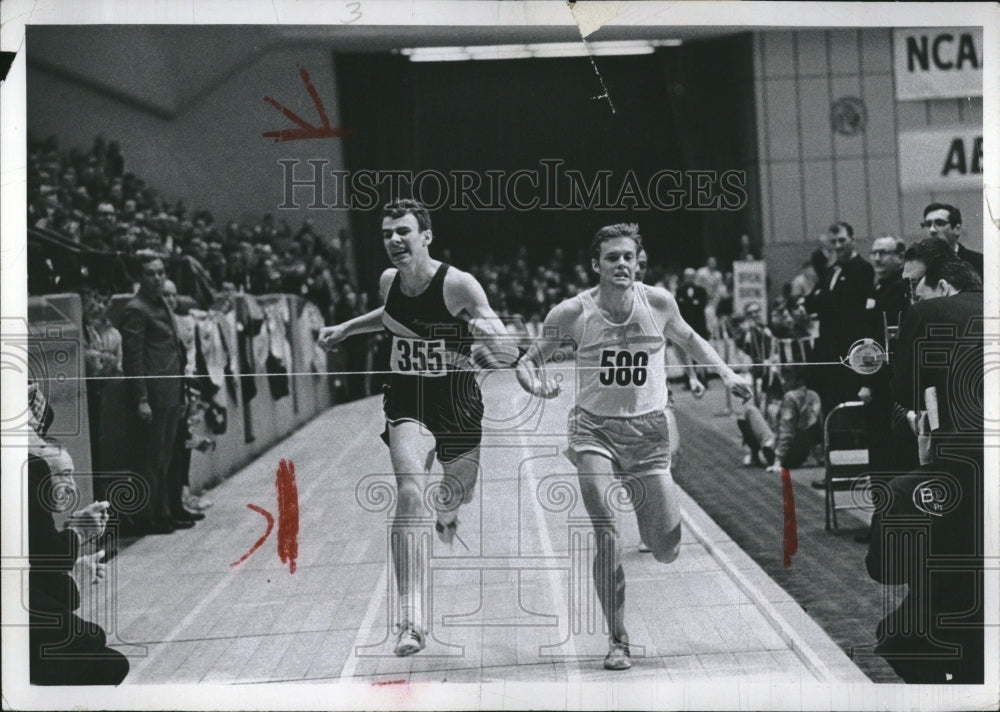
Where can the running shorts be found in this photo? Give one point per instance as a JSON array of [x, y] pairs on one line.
[[449, 407], [635, 444]]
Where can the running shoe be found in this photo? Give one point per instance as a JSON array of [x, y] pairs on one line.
[[410, 640], [618, 657]]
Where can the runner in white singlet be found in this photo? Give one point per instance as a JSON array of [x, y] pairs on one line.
[[618, 430]]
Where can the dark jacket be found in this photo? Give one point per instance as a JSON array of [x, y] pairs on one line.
[[892, 297], [52, 553], [151, 348], [941, 346], [841, 308], [691, 302], [944, 604], [972, 257]]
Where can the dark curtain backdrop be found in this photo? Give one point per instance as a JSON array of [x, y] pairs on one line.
[[709, 88], [680, 108]]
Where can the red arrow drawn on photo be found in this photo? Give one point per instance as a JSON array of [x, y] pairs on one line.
[[790, 538], [305, 130], [270, 527]]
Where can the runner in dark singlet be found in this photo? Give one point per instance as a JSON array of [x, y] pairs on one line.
[[432, 314]]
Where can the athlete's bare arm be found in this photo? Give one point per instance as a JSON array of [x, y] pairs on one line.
[[556, 330], [330, 336], [687, 339], [466, 299]]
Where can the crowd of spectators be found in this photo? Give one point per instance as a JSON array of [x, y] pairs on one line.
[[87, 198]]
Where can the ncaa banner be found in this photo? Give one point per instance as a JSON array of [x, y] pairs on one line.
[[941, 159], [940, 63], [749, 286]]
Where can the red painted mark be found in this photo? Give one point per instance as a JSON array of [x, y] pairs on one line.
[[382, 683], [791, 533], [288, 514], [259, 542], [288, 518], [305, 130]]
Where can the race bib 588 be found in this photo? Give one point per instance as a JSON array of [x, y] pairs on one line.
[[623, 368], [418, 357]]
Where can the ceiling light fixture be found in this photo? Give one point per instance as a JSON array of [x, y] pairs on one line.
[[534, 51]]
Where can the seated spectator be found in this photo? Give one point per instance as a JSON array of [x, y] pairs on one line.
[[64, 648], [935, 636], [928, 254], [757, 436], [800, 423]]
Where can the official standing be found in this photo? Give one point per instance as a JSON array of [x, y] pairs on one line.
[[153, 362], [844, 295]]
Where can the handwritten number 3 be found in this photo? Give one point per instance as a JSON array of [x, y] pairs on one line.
[[354, 7]]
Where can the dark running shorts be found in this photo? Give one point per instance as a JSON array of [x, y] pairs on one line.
[[450, 407]]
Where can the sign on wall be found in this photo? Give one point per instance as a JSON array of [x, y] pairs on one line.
[[938, 63], [749, 285], [941, 159]]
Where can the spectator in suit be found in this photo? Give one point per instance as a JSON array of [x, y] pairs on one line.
[[944, 222], [891, 300], [844, 294], [692, 300], [936, 634], [890, 289], [153, 360]]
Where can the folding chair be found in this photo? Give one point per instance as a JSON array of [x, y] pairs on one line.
[[846, 444]]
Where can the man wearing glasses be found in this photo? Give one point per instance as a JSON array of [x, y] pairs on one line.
[[944, 222]]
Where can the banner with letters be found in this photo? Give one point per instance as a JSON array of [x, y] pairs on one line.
[[941, 159], [749, 285], [940, 63]]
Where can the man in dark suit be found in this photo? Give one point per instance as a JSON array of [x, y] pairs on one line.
[[891, 292], [927, 530], [891, 300], [843, 298], [944, 222], [153, 361]]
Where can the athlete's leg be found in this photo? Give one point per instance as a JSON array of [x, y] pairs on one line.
[[657, 511], [458, 429], [407, 448], [458, 484], [596, 475]]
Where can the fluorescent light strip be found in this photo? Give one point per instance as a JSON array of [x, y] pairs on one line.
[[540, 51]]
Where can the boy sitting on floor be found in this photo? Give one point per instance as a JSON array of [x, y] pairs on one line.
[[800, 422]]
